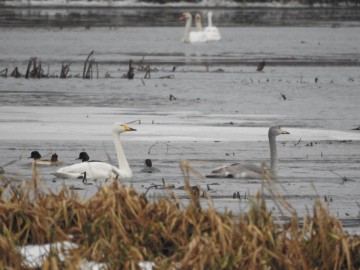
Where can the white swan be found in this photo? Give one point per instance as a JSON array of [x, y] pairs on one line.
[[212, 33], [252, 171], [101, 170], [191, 37], [198, 25]]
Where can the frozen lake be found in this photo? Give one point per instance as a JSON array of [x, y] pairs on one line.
[[221, 114]]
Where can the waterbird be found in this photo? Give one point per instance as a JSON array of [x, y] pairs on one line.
[[212, 32], [191, 36], [85, 157], [101, 170], [253, 171], [37, 159], [148, 167]]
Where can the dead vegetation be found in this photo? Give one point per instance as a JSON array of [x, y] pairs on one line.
[[120, 228], [90, 70]]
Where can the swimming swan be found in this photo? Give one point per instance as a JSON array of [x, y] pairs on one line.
[[252, 171], [212, 33], [191, 37], [101, 170], [37, 159]]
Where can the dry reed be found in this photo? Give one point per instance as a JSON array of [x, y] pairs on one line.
[[120, 228]]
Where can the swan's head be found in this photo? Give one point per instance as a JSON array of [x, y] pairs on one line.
[[83, 156], [35, 155], [197, 18], [276, 131], [120, 128], [185, 16]]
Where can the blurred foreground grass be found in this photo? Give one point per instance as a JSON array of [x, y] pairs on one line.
[[120, 228]]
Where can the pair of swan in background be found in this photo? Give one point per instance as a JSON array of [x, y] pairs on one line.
[[97, 169], [210, 33], [252, 171]]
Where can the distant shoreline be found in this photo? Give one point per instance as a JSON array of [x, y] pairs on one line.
[[158, 16]]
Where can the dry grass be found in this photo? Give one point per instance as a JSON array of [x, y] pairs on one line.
[[119, 227]]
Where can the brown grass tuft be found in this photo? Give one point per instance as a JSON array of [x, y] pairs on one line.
[[119, 227]]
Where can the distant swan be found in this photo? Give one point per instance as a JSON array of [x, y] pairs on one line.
[[101, 170], [252, 171], [212, 33], [37, 158], [191, 37]]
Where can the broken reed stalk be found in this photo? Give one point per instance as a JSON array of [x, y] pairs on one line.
[[65, 68], [118, 227], [147, 74], [15, 73], [130, 74], [4, 72], [87, 67]]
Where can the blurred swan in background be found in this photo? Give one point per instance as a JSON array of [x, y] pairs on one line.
[[252, 171], [198, 25], [37, 158], [101, 170], [212, 33], [191, 36]]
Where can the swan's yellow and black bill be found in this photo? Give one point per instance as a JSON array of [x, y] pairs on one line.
[[127, 128], [284, 131]]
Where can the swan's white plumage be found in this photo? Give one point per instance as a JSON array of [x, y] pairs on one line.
[[101, 170], [252, 171], [191, 36], [212, 32]]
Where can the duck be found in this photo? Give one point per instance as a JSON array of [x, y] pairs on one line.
[[37, 159], [149, 168], [191, 36], [253, 171], [85, 157], [101, 170]]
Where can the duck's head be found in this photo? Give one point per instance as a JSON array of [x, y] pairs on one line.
[[35, 155], [185, 16], [148, 163], [83, 156], [54, 157], [276, 131], [120, 127]]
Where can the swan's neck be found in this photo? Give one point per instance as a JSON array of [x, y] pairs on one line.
[[123, 164], [187, 30], [273, 156], [198, 26], [209, 19]]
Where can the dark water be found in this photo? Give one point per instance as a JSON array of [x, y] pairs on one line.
[[169, 16]]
